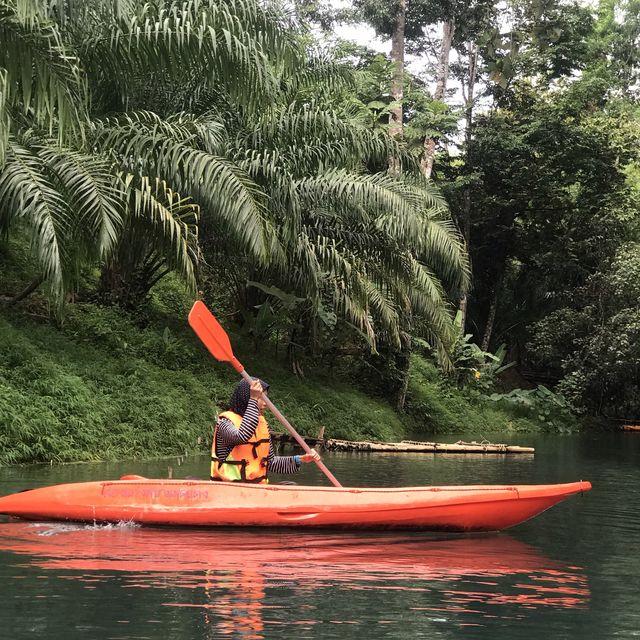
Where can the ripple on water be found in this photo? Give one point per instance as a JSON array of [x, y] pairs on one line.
[[46, 529]]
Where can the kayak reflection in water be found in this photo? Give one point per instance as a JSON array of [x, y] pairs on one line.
[[242, 450], [234, 604]]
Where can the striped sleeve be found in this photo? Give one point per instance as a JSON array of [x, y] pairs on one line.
[[282, 464]]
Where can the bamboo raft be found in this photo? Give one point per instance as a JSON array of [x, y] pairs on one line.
[[411, 446], [408, 446]]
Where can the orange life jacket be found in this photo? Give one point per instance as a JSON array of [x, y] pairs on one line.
[[247, 462]]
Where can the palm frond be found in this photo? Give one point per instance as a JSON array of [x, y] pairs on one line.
[[312, 138], [232, 197], [175, 151], [432, 313], [88, 15], [377, 195], [227, 43], [29, 12], [27, 192], [93, 192], [267, 170], [441, 247], [163, 226], [385, 310], [319, 76], [50, 85], [343, 277]]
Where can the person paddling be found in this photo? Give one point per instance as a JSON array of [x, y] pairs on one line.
[[241, 450]]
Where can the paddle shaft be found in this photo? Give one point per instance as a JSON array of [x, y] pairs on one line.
[[287, 425]]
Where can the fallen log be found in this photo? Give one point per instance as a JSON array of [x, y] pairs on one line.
[[407, 446]]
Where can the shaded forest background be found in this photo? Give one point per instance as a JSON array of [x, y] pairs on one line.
[[447, 229]]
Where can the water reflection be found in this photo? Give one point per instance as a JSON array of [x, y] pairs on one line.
[[230, 576]]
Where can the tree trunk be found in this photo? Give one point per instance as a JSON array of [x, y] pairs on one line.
[[403, 357], [448, 30], [397, 81], [491, 318], [468, 95], [465, 227], [129, 291], [403, 362], [462, 308], [28, 290]]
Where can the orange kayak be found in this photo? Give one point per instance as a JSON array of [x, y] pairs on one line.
[[219, 504]]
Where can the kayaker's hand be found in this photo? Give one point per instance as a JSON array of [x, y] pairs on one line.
[[255, 390], [310, 457]]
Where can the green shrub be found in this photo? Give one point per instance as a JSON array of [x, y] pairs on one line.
[[63, 399], [550, 409], [435, 406]]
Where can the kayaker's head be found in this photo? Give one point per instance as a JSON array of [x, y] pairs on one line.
[[241, 394]]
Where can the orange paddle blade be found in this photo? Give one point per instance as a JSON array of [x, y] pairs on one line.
[[214, 337]]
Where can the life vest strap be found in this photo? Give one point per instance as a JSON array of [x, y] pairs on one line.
[[256, 443], [253, 481], [243, 469]]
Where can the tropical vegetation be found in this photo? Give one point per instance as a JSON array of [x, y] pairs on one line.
[[459, 210]]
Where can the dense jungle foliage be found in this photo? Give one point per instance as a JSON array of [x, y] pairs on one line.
[[443, 235]]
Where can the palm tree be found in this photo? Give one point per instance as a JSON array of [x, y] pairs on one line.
[[135, 134], [61, 64], [371, 246], [43, 98]]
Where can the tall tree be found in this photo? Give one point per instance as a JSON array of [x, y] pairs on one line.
[[397, 78], [442, 77]]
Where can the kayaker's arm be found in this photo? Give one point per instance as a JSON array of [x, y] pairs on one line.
[[289, 464], [282, 464], [228, 435]]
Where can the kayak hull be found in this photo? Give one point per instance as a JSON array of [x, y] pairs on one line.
[[219, 504]]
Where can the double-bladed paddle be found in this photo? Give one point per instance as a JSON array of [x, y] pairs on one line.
[[215, 338]]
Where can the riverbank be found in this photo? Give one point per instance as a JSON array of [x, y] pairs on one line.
[[101, 387]]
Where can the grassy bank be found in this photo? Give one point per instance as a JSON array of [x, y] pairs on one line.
[[102, 387]]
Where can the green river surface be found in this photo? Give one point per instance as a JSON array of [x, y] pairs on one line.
[[571, 572]]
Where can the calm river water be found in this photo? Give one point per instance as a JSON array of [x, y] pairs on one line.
[[572, 572]]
